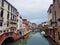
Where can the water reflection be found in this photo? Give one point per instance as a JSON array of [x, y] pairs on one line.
[[33, 38], [22, 41], [37, 39]]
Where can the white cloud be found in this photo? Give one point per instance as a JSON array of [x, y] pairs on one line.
[[31, 5], [32, 8], [35, 21]]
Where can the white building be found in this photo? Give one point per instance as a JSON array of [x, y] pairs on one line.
[[8, 17], [20, 24]]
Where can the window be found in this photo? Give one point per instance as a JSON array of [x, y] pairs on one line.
[[53, 1], [51, 22], [13, 17], [7, 24], [58, 35], [50, 10], [20, 25], [15, 12], [2, 2], [1, 13], [8, 15], [0, 23], [8, 7], [11, 8], [58, 3], [17, 20], [55, 18]]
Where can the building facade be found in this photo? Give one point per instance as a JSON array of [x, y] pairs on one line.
[[25, 25], [55, 11], [8, 17], [34, 26], [51, 21], [29, 25], [20, 24], [11, 23]]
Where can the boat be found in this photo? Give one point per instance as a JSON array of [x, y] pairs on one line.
[[44, 34]]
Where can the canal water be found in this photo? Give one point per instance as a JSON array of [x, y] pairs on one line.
[[34, 38]]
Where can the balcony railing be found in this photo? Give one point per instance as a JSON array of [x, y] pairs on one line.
[[13, 21], [13, 25]]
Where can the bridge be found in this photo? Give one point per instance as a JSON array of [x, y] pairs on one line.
[[9, 35]]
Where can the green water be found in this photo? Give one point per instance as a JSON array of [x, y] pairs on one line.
[[33, 39]]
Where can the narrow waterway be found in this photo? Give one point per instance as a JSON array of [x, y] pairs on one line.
[[33, 38]]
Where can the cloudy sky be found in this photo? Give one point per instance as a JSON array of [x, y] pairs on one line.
[[33, 10]]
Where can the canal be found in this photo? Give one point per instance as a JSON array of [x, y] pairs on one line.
[[34, 38]]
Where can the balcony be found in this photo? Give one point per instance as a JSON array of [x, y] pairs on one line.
[[12, 21], [13, 25]]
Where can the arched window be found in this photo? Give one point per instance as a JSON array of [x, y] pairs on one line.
[[53, 1], [2, 3]]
